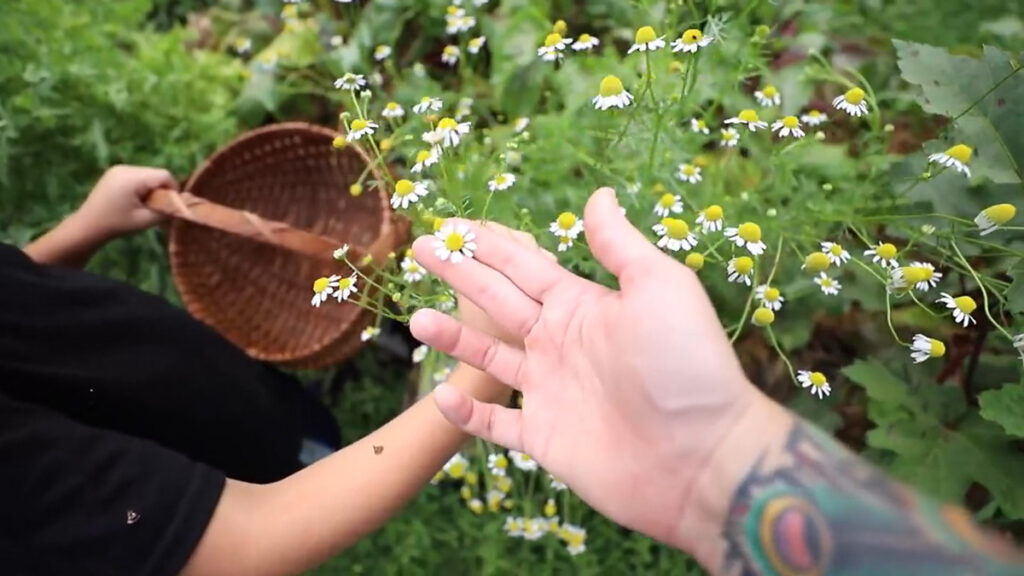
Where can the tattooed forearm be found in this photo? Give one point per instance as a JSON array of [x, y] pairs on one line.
[[812, 509]]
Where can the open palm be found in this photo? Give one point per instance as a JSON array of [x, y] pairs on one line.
[[626, 393]]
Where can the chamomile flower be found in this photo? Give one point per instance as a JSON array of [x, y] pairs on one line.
[[553, 48], [748, 118], [694, 261], [829, 286], [502, 181], [674, 234], [747, 235], [585, 42], [350, 81], [322, 288], [243, 46], [476, 44], [411, 270], [711, 218], [699, 126], [884, 253], [923, 348], [427, 104], [770, 297], [853, 102], [521, 124], [816, 381], [567, 224], [522, 461], [813, 118], [476, 506], [393, 110], [535, 528], [768, 96], [961, 307], [668, 204], [457, 466], [450, 55], [359, 128], [691, 41], [464, 108], [990, 219], [513, 526], [740, 270], [382, 52], [919, 275], [556, 484], [419, 354], [689, 173], [346, 287], [494, 499], [957, 158], [730, 138], [497, 464], [763, 317], [816, 262], [788, 126], [454, 243], [612, 94], [407, 193], [575, 538], [448, 133], [369, 333], [837, 255], [341, 253], [646, 40]]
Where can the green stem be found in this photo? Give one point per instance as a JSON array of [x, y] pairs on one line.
[[984, 292], [778, 349]]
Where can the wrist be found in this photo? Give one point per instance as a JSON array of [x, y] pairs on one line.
[[762, 424], [87, 230]]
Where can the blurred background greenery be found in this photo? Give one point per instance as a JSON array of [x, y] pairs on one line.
[[85, 85]]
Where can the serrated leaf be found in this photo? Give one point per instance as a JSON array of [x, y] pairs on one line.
[[1005, 407]]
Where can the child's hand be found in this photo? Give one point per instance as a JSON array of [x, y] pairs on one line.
[[116, 204]]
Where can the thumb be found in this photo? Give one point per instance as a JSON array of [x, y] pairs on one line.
[[616, 244]]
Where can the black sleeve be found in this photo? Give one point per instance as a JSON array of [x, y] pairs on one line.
[[79, 500]]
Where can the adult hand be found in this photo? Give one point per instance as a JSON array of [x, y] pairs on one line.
[[116, 205], [627, 394]]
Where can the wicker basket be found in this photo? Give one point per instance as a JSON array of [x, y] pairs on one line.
[[258, 222]]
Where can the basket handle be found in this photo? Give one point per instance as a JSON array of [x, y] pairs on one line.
[[192, 208]]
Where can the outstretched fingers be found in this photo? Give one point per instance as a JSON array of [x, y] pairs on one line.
[[493, 423], [473, 347]]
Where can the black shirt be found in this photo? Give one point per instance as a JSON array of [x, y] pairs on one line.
[[119, 416]]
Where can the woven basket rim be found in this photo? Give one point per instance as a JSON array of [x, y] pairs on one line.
[[196, 305]]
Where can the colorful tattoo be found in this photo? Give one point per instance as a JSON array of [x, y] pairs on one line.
[[815, 509]]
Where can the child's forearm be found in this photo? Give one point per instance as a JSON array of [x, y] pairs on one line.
[[299, 522], [71, 243]]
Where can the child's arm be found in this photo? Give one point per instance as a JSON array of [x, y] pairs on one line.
[[114, 208], [299, 522]]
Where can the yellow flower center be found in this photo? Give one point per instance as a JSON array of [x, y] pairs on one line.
[[320, 284], [688, 169], [816, 262], [584, 39], [854, 96], [915, 274], [381, 50], [564, 240], [695, 260], [961, 152], [763, 317], [500, 179], [447, 124], [345, 283], [504, 483], [748, 116], [675, 228], [392, 106], [454, 242], [772, 294], [438, 223], [790, 122], [692, 36], [611, 86], [645, 35], [560, 27], [355, 189], [730, 135], [667, 201], [457, 469], [291, 11], [574, 539], [1001, 213], [887, 251], [713, 212], [826, 282], [358, 124], [700, 160], [466, 492], [339, 142], [422, 156], [472, 478], [743, 265], [938, 348], [453, 10], [451, 50], [566, 220], [386, 145], [818, 379], [966, 304], [404, 187], [701, 124], [425, 100], [549, 508], [770, 91], [750, 232], [553, 39], [814, 114], [476, 506], [836, 250]]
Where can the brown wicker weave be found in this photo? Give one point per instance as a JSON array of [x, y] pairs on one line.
[[258, 222]]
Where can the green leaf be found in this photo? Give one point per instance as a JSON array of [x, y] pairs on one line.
[[1005, 407], [977, 93], [1015, 293]]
